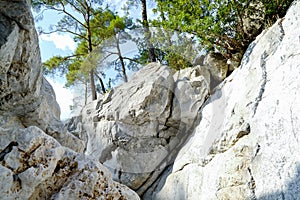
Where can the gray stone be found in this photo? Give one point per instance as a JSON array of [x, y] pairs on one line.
[[22, 86], [35, 166], [136, 129], [26, 97], [247, 143]]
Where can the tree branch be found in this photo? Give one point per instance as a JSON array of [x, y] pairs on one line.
[[131, 59], [64, 30], [67, 13]]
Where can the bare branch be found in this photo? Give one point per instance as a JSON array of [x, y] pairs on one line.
[[112, 53], [131, 59], [68, 14], [64, 30]]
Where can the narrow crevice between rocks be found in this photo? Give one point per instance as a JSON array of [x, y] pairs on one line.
[[183, 138], [157, 183], [147, 183], [7, 149], [171, 107]]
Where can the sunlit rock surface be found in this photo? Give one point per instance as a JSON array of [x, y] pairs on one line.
[[247, 143], [137, 129]]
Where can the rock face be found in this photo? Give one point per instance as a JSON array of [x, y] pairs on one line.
[[137, 128], [22, 86], [35, 166], [247, 143], [26, 97], [36, 160], [217, 66]]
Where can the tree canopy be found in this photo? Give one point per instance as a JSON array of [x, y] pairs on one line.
[[220, 24], [177, 33]]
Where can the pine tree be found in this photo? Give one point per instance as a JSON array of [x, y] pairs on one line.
[[77, 22]]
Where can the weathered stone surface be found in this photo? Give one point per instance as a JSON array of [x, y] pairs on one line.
[[137, 128], [23, 90], [247, 143], [21, 78], [217, 66], [26, 97], [35, 166]]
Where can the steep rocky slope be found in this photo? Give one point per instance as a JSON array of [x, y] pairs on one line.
[[241, 143], [33, 164], [247, 143]]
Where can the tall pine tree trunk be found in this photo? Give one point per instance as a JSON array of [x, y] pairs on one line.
[[90, 49], [147, 31], [121, 60], [101, 83], [85, 92]]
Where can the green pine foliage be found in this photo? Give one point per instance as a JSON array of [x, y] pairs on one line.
[[218, 24]]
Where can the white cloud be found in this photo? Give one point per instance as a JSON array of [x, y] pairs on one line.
[[64, 98], [62, 42]]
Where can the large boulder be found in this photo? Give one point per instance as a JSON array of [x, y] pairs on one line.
[[247, 143], [137, 128]]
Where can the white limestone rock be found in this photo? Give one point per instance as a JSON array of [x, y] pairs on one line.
[[35, 166], [26, 97], [23, 90], [137, 128], [247, 143]]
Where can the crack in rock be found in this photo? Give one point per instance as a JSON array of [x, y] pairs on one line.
[[7, 150], [264, 81], [257, 150], [252, 185], [223, 145], [182, 167], [281, 29]]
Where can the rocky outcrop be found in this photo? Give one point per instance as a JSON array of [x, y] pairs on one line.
[[22, 84], [36, 160], [26, 97], [35, 166], [137, 129], [215, 67], [247, 143]]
